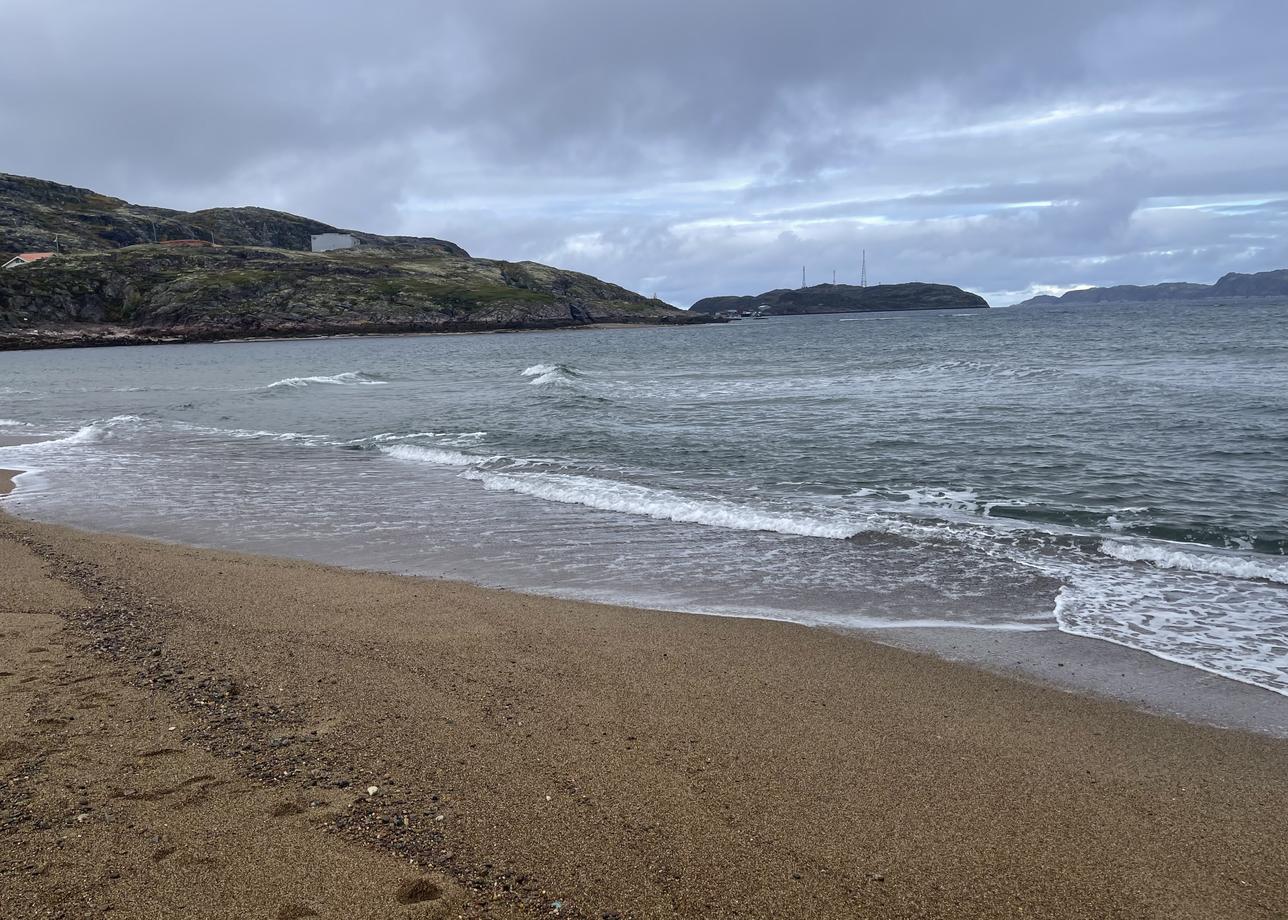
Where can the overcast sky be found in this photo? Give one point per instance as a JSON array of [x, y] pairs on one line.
[[688, 147]]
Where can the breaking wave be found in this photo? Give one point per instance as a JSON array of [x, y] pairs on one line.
[[625, 498], [547, 374], [86, 434], [348, 378], [418, 454], [1205, 563]]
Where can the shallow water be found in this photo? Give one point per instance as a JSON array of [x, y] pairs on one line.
[[1114, 472]]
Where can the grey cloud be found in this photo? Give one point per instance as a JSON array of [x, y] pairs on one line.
[[696, 147]]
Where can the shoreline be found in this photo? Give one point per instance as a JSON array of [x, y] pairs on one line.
[[41, 340], [1047, 657], [534, 756], [7, 483]]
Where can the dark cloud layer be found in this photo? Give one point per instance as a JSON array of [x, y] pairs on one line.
[[692, 147]]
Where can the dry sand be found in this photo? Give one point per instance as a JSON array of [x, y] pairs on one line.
[[189, 733]]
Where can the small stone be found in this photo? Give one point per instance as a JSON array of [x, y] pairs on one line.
[[372, 790]]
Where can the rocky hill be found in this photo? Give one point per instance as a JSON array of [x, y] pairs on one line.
[[41, 216], [116, 281], [846, 298], [1234, 284]]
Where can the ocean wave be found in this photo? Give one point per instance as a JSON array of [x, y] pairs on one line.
[[386, 437], [547, 374], [248, 433], [418, 454], [13, 423], [348, 378], [626, 498], [85, 435], [1202, 562]]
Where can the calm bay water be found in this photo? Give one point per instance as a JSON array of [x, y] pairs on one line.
[[1115, 472]]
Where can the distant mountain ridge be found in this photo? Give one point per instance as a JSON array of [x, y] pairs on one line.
[[847, 298], [1234, 284]]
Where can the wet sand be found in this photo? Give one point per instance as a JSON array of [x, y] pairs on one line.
[[205, 734], [6, 480]]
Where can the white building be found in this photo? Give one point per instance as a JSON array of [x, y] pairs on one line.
[[326, 242], [26, 258]]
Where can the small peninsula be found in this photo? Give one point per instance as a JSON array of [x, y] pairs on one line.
[[1231, 285], [88, 269], [846, 298]]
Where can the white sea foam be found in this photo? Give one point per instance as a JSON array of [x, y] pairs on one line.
[[84, 435], [546, 374], [1233, 629], [12, 423], [348, 378], [626, 498], [418, 454], [386, 437], [249, 434], [957, 499], [1211, 563]]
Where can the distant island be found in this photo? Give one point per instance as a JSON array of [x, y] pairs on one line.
[[83, 268], [845, 298], [1234, 284]]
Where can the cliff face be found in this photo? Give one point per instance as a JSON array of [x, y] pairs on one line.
[[111, 284], [1234, 284], [845, 298]]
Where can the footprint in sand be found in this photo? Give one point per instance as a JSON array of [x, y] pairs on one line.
[[418, 891], [295, 912], [286, 809]]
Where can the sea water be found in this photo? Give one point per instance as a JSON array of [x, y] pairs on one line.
[[1115, 472]]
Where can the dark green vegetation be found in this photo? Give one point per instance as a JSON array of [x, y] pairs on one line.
[[1235, 284], [846, 298], [115, 281]]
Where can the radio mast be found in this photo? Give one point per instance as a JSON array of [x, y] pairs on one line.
[[802, 276], [863, 274]]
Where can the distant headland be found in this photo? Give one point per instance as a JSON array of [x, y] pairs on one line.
[[1234, 284], [81, 268], [845, 298]]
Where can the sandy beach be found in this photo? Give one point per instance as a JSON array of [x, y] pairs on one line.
[[204, 734]]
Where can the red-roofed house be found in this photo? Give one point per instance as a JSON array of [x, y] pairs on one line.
[[26, 258]]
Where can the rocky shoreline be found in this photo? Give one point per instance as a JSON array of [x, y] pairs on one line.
[[117, 336]]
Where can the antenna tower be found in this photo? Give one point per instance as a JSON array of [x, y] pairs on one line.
[[863, 274]]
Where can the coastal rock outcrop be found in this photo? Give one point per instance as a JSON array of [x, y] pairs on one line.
[[847, 298]]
